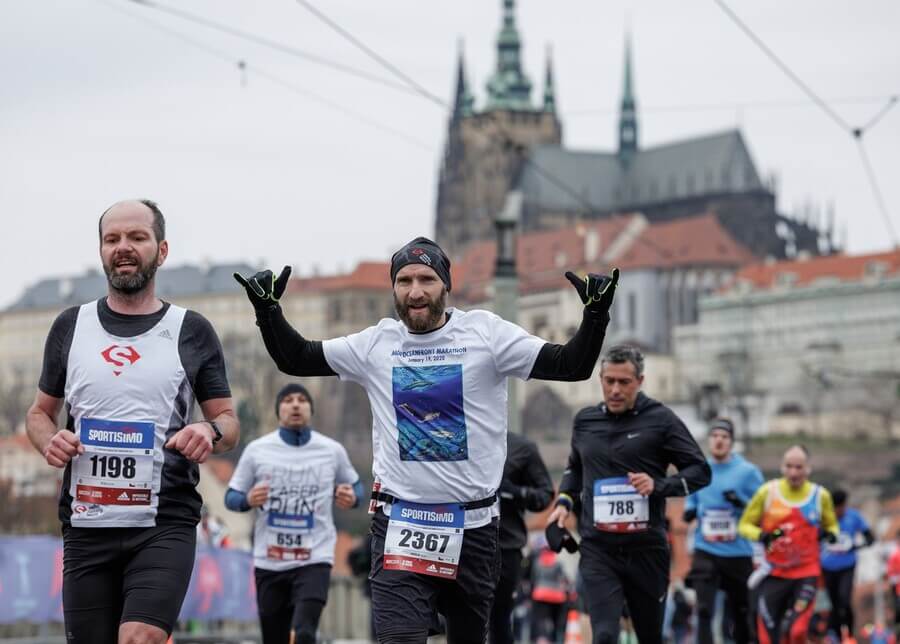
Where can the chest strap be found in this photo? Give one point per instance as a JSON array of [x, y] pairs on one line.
[[487, 502]]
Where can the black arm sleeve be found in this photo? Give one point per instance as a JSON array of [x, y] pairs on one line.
[[684, 453], [539, 489], [575, 359], [293, 354], [571, 483], [56, 353]]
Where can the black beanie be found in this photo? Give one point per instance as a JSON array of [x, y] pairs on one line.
[[422, 250], [292, 388], [724, 424]]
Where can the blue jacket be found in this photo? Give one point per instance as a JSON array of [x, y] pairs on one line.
[[842, 555], [715, 515]]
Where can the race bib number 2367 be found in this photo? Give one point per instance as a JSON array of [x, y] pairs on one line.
[[425, 538]]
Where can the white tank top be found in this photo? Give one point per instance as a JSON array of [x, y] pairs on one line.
[[124, 396]]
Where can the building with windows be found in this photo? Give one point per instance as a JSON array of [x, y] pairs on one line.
[[810, 346]]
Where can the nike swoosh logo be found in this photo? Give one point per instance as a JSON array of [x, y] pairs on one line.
[[634, 435]]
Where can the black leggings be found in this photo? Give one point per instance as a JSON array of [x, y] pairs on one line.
[[784, 609], [291, 600], [708, 574], [612, 575], [501, 612], [839, 584]]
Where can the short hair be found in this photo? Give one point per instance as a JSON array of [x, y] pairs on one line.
[[622, 353], [801, 447], [159, 221], [839, 496]]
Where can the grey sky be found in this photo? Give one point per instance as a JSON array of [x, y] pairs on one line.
[[96, 105]]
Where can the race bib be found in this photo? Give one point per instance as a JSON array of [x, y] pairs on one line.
[[285, 536], [718, 524], [116, 467], [618, 507], [425, 538]]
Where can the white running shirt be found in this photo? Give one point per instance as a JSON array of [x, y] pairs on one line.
[[438, 403], [295, 526]]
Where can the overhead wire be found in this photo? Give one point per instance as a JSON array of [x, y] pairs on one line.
[[272, 44], [505, 139], [857, 133], [738, 105], [245, 67]]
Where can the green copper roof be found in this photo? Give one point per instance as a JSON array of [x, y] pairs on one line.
[[628, 125], [509, 88], [464, 102], [549, 94]]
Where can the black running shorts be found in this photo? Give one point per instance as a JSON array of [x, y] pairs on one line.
[[117, 575]]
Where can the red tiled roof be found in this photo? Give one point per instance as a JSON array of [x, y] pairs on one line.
[[373, 276], [692, 241], [846, 268], [543, 257]]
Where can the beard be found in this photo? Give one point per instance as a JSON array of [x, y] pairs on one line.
[[135, 282], [419, 324]]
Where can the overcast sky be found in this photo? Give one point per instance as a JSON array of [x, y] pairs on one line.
[[97, 104]]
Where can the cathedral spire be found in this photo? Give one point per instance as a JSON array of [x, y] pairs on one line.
[[549, 94], [463, 102], [628, 125], [509, 88]]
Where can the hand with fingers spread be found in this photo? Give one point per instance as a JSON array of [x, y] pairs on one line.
[[596, 291], [263, 288], [62, 448], [194, 441]]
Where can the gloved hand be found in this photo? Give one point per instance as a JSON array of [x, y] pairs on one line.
[[732, 497], [689, 515], [596, 291], [264, 289], [827, 536], [768, 538]]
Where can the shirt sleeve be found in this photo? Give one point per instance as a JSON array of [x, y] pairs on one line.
[[245, 473], [515, 350], [56, 353], [683, 452], [570, 487], [829, 518], [749, 525], [346, 473], [203, 358], [348, 356]]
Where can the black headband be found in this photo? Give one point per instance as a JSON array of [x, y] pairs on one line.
[[422, 250]]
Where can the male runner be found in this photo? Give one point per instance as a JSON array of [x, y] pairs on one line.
[[722, 559], [129, 368], [292, 475], [839, 562], [526, 485], [617, 476], [789, 516], [437, 383]]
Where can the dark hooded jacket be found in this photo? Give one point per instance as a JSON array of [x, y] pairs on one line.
[[647, 438]]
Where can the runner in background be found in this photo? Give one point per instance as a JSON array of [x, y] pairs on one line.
[[293, 475], [722, 559], [839, 562], [789, 516]]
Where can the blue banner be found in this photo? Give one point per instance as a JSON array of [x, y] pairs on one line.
[[222, 584]]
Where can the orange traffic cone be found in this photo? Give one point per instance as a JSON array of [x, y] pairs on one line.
[[573, 628]]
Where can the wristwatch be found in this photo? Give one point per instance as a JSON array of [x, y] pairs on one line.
[[216, 431]]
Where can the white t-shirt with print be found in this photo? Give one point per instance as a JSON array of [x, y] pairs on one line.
[[297, 517], [438, 403]]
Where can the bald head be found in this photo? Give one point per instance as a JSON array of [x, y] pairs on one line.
[[138, 210], [795, 465]]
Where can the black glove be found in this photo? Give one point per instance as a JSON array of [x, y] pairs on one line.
[[264, 289], [732, 497], [827, 536], [560, 539], [768, 538], [689, 515], [596, 291]]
